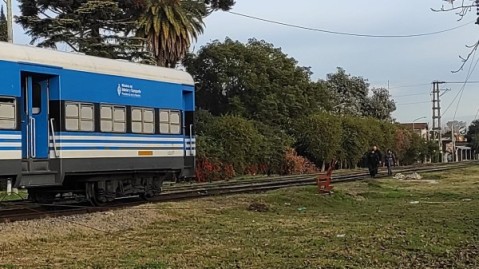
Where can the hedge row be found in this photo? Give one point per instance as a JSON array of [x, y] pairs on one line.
[[231, 145]]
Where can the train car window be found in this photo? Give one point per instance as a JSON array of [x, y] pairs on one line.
[[164, 121], [37, 99], [72, 116], [87, 123], [175, 122], [170, 122], [113, 119], [119, 119], [8, 113], [136, 125], [142, 120], [79, 117], [106, 116], [148, 121]]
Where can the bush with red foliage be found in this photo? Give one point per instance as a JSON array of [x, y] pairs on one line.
[[295, 164], [208, 170], [256, 169]]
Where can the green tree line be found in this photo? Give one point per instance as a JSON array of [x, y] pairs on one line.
[[256, 104]]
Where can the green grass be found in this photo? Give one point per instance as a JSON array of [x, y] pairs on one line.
[[5, 197], [388, 223]]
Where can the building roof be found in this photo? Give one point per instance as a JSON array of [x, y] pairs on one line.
[[417, 125], [80, 62]]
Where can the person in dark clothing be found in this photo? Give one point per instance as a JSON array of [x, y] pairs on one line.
[[378, 152], [390, 161], [374, 159]]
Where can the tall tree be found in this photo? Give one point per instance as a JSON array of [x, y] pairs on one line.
[[101, 28], [473, 135], [319, 137], [219, 4], [351, 92], [253, 80], [3, 26], [380, 105], [169, 26]]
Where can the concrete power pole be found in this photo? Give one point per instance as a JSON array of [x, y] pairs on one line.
[[436, 114], [9, 39], [9, 21]]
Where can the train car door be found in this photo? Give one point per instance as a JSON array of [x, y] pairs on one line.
[[35, 117]]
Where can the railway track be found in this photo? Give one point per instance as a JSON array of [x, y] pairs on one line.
[[12, 211]]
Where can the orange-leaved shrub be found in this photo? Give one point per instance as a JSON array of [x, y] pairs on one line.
[[296, 164], [209, 169]]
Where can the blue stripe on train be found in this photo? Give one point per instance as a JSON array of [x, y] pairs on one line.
[[3, 140], [114, 148], [10, 132], [59, 134], [117, 141]]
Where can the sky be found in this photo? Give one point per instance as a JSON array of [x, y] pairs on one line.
[[405, 66]]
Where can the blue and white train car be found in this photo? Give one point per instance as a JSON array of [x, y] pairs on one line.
[[99, 127]]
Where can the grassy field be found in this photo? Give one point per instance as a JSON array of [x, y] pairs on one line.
[[429, 223]]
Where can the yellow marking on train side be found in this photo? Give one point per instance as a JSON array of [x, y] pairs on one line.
[[145, 153]]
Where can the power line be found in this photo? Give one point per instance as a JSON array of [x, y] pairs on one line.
[[410, 86], [461, 82], [427, 84], [412, 94], [413, 103], [347, 33], [464, 85], [470, 71]]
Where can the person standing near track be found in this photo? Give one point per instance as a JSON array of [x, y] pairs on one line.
[[374, 160], [390, 161]]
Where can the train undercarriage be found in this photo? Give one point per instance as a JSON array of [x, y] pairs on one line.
[[102, 189]]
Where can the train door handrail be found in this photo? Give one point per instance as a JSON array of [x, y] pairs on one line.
[[191, 139], [52, 130]]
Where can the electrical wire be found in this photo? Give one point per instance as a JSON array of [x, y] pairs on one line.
[[459, 94], [347, 33], [464, 85], [413, 103], [410, 86], [412, 94]]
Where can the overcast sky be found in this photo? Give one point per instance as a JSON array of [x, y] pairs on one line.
[[408, 65]]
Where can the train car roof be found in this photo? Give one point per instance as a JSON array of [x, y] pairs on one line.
[[79, 62]]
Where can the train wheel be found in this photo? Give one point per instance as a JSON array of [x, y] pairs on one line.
[[93, 195], [152, 188]]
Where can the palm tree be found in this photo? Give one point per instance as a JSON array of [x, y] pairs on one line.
[[169, 26]]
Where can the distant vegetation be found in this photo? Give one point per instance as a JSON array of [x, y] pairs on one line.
[[3, 25], [257, 107]]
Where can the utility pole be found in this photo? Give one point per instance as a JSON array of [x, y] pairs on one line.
[[9, 21], [436, 114], [10, 39]]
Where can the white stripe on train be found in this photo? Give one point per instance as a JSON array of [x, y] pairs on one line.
[[120, 145], [10, 136], [69, 154], [10, 154]]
